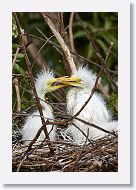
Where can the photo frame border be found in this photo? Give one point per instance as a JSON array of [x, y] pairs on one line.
[[123, 174]]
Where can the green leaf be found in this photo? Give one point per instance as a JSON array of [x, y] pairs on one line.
[[19, 69], [15, 46], [20, 55]]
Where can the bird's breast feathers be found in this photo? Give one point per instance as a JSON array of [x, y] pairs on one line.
[[95, 110]]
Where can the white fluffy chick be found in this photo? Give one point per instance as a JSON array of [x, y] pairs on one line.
[[45, 82], [95, 112]]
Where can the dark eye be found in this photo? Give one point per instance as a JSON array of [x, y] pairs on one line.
[[79, 80]]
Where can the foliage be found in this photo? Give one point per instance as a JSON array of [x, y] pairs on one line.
[[112, 102]]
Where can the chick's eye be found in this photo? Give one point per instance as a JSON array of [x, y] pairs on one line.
[[79, 80]]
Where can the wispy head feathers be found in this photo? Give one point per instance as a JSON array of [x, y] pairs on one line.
[[86, 76]]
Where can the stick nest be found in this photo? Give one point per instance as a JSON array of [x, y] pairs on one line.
[[99, 156]]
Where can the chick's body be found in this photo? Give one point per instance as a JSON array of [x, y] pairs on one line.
[[33, 124], [95, 112]]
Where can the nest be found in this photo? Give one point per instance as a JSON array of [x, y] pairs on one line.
[[98, 156]]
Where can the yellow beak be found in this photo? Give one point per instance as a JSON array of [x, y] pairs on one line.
[[69, 81], [56, 83]]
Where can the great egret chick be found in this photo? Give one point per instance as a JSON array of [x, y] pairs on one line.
[[44, 83], [95, 112]]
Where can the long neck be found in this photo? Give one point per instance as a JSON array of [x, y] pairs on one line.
[[41, 94]]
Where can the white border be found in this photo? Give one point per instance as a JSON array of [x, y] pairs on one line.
[[120, 177]]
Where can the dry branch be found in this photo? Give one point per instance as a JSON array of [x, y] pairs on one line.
[[71, 37], [16, 84], [15, 57], [61, 42], [102, 90]]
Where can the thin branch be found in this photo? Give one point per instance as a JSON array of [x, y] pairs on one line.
[[15, 57], [61, 26], [101, 88], [38, 58], [37, 55], [65, 143], [83, 133], [71, 38], [20, 164], [15, 81], [96, 126], [77, 160], [32, 80], [103, 62]]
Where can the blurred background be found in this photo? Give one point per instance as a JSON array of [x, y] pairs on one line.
[[43, 51]]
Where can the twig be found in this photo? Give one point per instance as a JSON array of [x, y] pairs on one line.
[[101, 88], [15, 57], [61, 28], [92, 62], [72, 46], [82, 133], [38, 58], [103, 62], [32, 80], [65, 143], [77, 160], [61, 42], [87, 123], [15, 81], [71, 37], [20, 164], [96, 126]]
